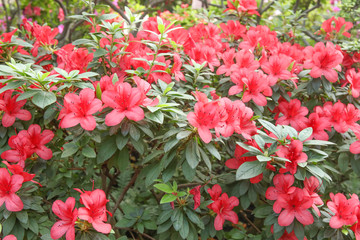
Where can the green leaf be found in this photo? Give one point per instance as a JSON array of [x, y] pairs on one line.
[[157, 116], [121, 141], [191, 155], [249, 148], [164, 187], [9, 224], [271, 127], [184, 230], [134, 132], [120, 160], [167, 198], [250, 169], [210, 147], [262, 158], [12, 85], [100, 52], [305, 134], [318, 142], [27, 94], [177, 219], [106, 149], [183, 134], [88, 152], [22, 217], [69, 150], [43, 99]]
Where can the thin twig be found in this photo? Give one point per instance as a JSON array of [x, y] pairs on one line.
[[6, 16], [136, 231], [306, 12], [18, 6], [312, 36], [249, 221], [296, 5], [127, 187], [116, 9]]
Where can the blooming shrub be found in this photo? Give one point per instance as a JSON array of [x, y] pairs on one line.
[[225, 130]]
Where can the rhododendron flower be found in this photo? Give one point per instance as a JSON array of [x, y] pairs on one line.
[[197, 196], [282, 186], [293, 114], [61, 15], [256, 87], [340, 25], [38, 140], [259, 38], [95, 209], [323, 61], [125, 101], [318, 125], [207, 35], [232, 30], [10, 237], [70, 58], [28, 142], [243, 6], [277, 68], [355, 146], [203, 53], [80, 109], [17, 169], [356, 226], [344, 209], [9, 185], [353, 78], [68, 216], [223, 206], [311, 186], [176, 68], [295, 205], [294, 153], [205, 117], [19, 152], [228, 58], [12, 109]]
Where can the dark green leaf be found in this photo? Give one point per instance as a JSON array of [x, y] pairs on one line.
[[250, 169], [106, 149], [43, 99]]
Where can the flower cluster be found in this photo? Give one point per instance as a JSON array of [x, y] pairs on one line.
[[94, 213]]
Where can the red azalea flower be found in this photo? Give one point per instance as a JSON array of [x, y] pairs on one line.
[[202, 53], [344, 209], [323, 61], [295, 205], [356, 226], [125, 101], [17, 169], [340, 24], [256, 88], [232, 30], [176, 68], [319, 125], [243, 6], [197, 196], [259, 38], [277, 68], [19, 152], [293, 114], [61, 15], [70, 58], [282, 186], [228, 58], [355, 146], [12, 109], [95, 209], [223, 206], [205, 117], [311, 186], [9, 185], [294, 153], [10, 237], [354, 79], [68, 216], [224, 209], [80, 109], [38, 139]]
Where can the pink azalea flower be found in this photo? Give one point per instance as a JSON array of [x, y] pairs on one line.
[[9, 185], [80, 109], [68, 216]]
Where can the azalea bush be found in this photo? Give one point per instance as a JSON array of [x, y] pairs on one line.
[[143, 129]]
